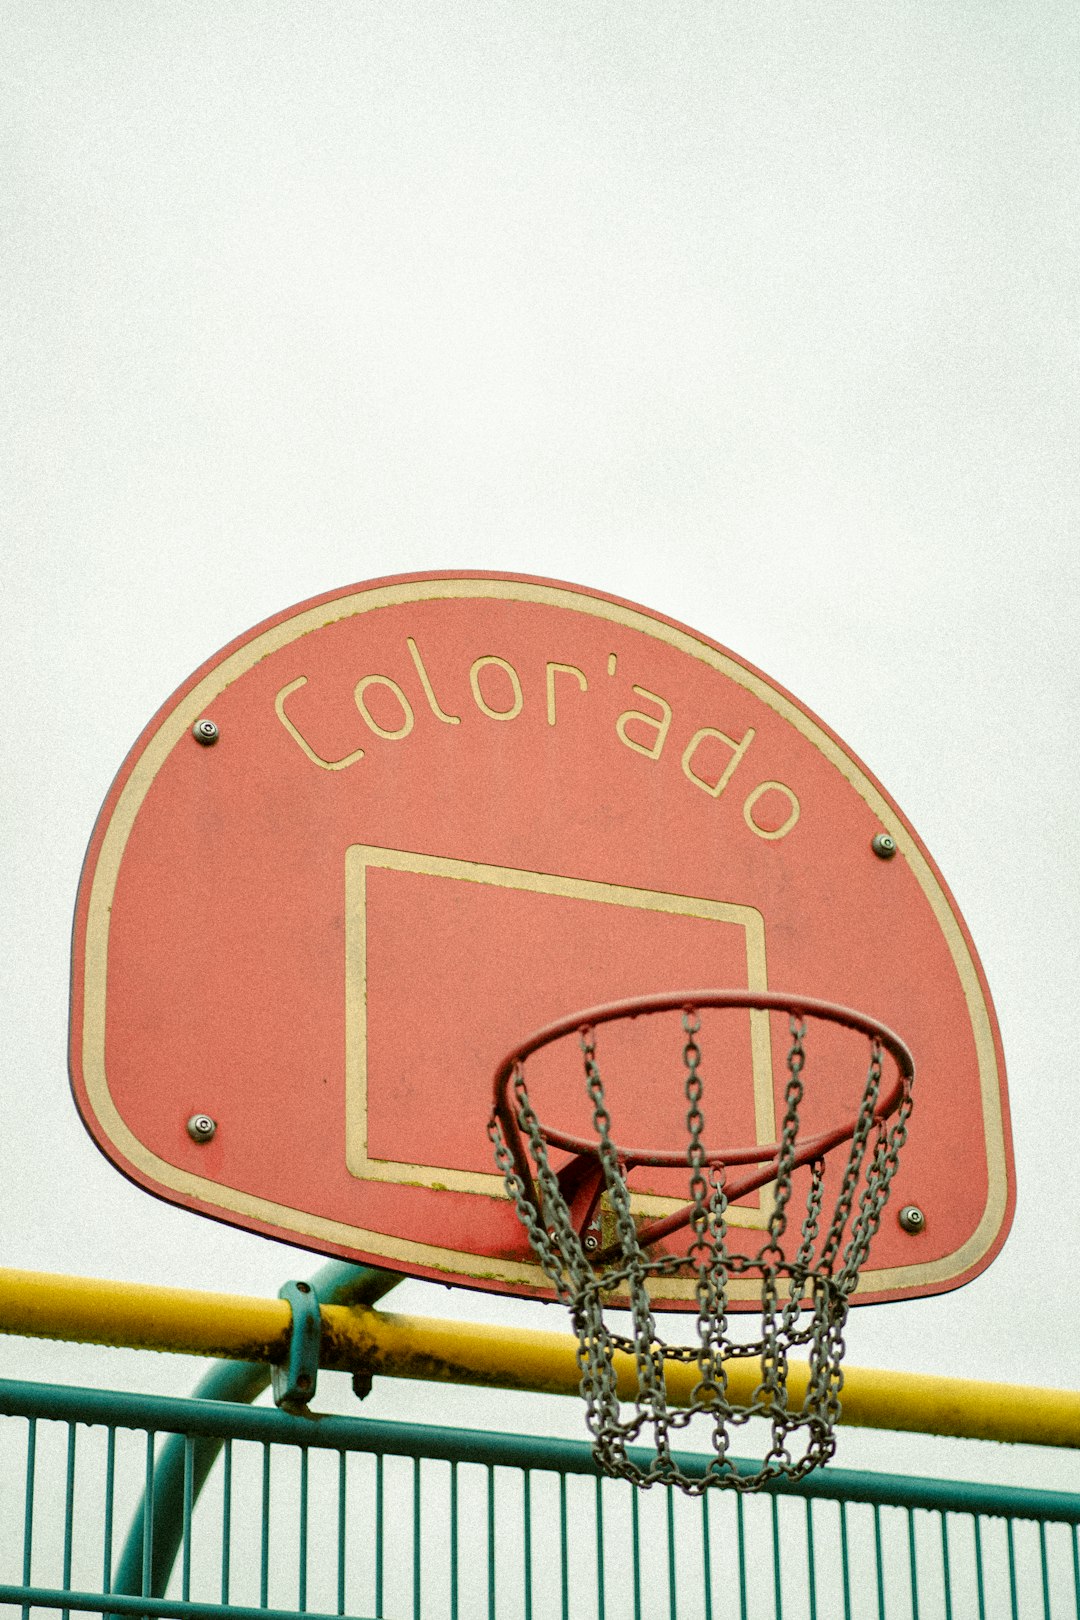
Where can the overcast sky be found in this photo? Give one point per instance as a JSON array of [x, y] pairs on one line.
[[763, 315]]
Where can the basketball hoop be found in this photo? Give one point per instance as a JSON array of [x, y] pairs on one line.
[[597, 1250]]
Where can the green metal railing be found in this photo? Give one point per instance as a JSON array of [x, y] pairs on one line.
[[351, 1516]]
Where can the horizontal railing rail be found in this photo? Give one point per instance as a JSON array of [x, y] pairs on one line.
[[47, 1597], [168, 1414]]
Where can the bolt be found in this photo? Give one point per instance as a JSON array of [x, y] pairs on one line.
[[883, 846], [205, 731], [591, 1243], [911, 1218], [201, 1128]]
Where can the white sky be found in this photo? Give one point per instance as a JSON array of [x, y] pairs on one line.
[[762, 315]]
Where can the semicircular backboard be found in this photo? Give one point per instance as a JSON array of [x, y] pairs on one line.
[[443, 810]]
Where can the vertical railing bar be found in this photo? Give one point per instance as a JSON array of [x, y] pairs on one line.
[[69, 1511], [1045, 1570], [878, 1564], [28, 1509], [1011, 1542], [189, 1465], [979, 1587], [148, 1518], [379, 1537], [454, 1539], [672, 1597], [912, 1564], [110, 1500], [301, 1552], [845, 1564], [946, 1570], [811, 1576], [706, 1556], [564, 1549], [226, 1522], [635, 1527], [491, 1539], [416, 1538], [342, 1495], [526, 1515], [778, 1596], [740, 1521], [1076, 1569], [264, 1562]]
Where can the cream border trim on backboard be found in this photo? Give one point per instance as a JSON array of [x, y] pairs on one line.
[[319, 1230], [359, 858]]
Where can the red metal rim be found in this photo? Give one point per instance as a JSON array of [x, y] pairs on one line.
[[683, 1000]]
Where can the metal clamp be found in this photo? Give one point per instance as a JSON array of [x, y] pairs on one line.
[[294, 1381]]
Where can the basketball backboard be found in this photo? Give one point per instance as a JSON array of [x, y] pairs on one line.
[[378, 839]]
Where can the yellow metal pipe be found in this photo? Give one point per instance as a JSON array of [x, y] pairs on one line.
[[515, 1358], [143, 1316], [357, 1338]]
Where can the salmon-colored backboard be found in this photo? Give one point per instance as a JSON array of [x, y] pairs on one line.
[[443, 810]]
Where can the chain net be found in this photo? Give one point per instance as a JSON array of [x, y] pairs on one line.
[[805, 1287]]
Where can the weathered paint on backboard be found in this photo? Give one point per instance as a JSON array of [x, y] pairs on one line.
[[443, 810]]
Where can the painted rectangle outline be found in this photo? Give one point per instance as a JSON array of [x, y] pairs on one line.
[[359, 857]]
